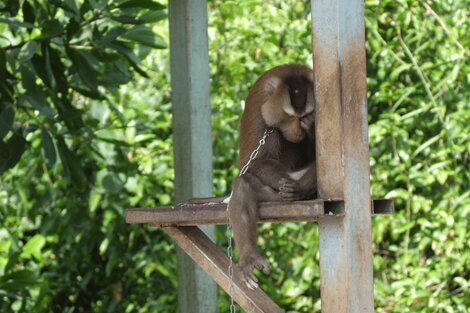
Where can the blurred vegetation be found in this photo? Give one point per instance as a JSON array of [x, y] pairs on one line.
[[85, 128]]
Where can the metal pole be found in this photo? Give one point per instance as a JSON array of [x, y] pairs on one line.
[[343, 155], [197, 293]]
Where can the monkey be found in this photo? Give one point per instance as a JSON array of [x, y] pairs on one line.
[[280, 103]]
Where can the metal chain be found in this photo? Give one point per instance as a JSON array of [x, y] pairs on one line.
[[230, 265], [253, 155], [267, 131]]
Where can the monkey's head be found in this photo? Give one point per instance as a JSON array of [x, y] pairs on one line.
[[290, 103]]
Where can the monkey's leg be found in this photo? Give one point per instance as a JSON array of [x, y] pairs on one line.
[[268, 172], [243, 212], [300, 185]]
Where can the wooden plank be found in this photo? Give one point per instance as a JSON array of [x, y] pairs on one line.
[[215, 213], [328, 100], [342, 155], [190, 214], [190, 96], [210, 258]]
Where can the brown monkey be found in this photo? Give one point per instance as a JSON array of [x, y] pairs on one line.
[[281, 101]]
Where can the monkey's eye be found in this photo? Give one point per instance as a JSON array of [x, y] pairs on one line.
[[296, 91]]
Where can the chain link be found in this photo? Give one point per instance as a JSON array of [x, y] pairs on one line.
[[253, 155], [230, 266]]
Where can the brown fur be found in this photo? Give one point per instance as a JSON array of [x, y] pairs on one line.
[[290, 148]]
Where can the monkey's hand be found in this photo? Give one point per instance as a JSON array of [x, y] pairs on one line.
[[248, 264], [307, 122], [289, 190]]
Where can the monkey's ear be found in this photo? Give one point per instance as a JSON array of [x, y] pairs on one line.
[[272, 84]]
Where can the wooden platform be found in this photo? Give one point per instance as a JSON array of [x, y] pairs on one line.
[[180, 221], [188, 214]]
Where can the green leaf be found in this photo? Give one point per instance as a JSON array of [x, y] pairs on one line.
[[7, 116], [73, 28], [13, 6], [51, 28], [116, 142], [93, 94], [3, 66], [48, 65], [35, 94], [39, 104], [18, 280], [85, 70], [112, 183], [28, 13], [426, 144], [127, 19], [141, 4], [153, 16], [72, 167], [111, 35], [72, 6], [129, 54], [69, 114], [13, 257], [58, 70], [145, 36], [15, 23], [94, 200], [442, 176], [27, 51], [11, 152], [39, 64], [123, 49], [33, 246], [48, 147]]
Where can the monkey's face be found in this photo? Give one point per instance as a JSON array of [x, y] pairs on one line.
[[291, 129], [290, 108]]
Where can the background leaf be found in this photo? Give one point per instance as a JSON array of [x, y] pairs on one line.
[[48, 147]]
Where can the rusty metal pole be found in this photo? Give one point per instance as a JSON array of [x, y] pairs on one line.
[[343, 155]]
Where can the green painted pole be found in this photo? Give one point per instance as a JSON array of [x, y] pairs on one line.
[[197, 292]]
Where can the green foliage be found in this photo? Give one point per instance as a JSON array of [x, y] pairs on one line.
[[64, 244], [55, 53], [86, 145], [419, 116]]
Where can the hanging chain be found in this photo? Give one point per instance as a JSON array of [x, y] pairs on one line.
[[230, 265], [253, 155]]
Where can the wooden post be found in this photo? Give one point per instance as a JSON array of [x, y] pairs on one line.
[[343, 155], [197, 293]]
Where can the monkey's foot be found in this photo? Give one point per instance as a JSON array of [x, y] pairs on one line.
[[288, 190], [247, 266]]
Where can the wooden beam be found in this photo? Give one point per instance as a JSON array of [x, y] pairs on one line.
[[346, 270], [190, 97], [210, 258], [216, 213], [190, 214]]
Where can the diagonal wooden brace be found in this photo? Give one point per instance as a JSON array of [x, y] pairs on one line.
[[214, 262]]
